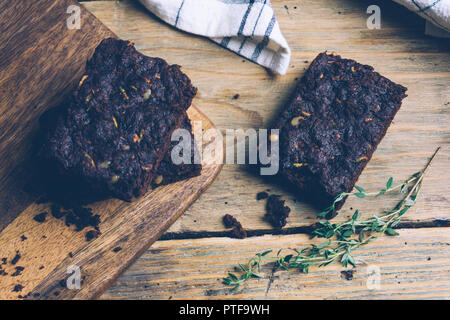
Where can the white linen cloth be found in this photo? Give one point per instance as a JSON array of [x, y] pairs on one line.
[[247, 27], [437, 13]]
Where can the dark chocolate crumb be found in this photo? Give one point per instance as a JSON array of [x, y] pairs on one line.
[[236, 96], [262, 195], [18, 271], [82, 218], [70, 255], [347, 274], [41, 267], [117, 249], [23, 238], [92, 234], [277, 212], [40, 217], [17, 288], [231, 222], [16, 258], [429, 258], [56, 211]]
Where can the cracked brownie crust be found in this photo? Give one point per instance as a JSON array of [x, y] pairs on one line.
[[335, 120]]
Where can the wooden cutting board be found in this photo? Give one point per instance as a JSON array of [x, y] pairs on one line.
[[41, 60]]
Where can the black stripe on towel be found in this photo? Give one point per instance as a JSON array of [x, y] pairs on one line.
[[178, 13], [259, 48]]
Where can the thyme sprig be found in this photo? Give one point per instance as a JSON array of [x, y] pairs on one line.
[[342, 238], [361, 193]]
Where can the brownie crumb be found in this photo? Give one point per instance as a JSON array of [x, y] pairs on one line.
[[231, 222], [40, 217], [92, 234], [277, 212], [56, 211], [17, 288], [82, 218], [347, 274], [16, 258], [23, 238], [18, 271], [117, 249], [262, 195]]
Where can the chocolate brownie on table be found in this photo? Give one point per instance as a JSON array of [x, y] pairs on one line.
[[335, 120], [113, 132]]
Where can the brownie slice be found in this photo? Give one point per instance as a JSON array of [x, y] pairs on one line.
[[168, 172], [335, 120], [113, 132]]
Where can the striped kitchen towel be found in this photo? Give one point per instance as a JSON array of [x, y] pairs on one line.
[[247, 27], [437, 13]]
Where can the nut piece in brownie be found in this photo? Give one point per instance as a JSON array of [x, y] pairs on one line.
[[168, 172], [114, 130], [335, 120]]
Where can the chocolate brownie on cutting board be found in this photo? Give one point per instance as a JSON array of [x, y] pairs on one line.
[[332, 125], [114, 131]]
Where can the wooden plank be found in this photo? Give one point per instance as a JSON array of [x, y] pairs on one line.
[[398, 50], [413, 265]]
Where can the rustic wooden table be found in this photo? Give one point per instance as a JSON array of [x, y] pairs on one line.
[[196, 252]]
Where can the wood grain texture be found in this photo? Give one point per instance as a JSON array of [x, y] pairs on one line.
[[413, 265], [399, 50], [41, 60]]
